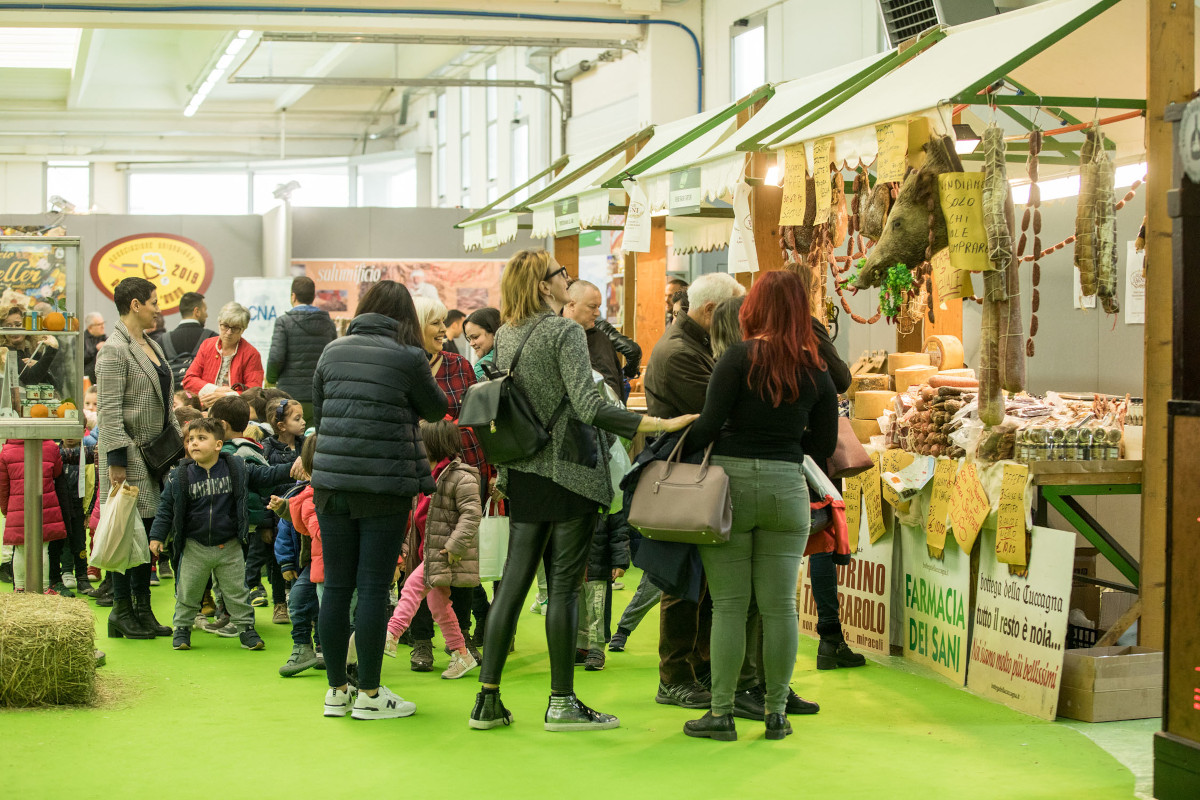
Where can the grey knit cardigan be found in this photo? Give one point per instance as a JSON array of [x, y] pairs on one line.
[[555, 364]]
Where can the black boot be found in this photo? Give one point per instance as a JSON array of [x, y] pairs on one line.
[[833, 652], [104, 592], [145, 616], [778, 726], [712, 726], [123, 623]]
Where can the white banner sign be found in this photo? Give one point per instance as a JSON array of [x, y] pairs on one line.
[[742, 255], [1135, 286], [266, 299], [936, 605], [637, 220]]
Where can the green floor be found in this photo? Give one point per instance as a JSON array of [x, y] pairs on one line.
[[219, 721]]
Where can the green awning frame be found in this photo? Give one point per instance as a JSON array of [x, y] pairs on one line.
[[494, 206], [567, 178]]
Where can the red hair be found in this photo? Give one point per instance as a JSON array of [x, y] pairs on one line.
[[776, 321]]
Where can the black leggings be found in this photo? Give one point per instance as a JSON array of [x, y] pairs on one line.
[[563, 548]]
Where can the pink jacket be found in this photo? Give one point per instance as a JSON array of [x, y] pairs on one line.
[[12, 492], [304, 519]]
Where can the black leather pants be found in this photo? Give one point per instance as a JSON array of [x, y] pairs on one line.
[[563, 547]]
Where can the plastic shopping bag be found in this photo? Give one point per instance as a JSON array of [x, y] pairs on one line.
[[120, 541], [493, 544], [618, 467]]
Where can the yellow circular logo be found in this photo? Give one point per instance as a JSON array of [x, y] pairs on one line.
[[174, 265]]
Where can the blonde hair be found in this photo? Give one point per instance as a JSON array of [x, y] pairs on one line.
[[428, 310], [520, 297]]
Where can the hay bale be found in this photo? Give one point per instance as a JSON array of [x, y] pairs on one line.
[[47, 651]]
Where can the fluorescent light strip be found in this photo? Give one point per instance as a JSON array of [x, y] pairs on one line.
[[235, 46], [1059, 188]]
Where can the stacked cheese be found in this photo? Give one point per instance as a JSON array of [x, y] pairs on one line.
[[869, 405]]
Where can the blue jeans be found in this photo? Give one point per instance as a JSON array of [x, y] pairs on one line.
[[359, 554], [771, 518], [303, 608]]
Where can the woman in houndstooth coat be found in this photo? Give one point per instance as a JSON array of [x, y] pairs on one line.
[[135, 391]]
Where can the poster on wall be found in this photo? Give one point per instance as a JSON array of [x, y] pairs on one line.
[[1135, 285], [936, 605], [174, 264], [1020, 624], [464, 284], [31, 273], [864, 594], [266, 299]]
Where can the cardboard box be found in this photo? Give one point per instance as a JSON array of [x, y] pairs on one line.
[[1085, 561], [1114, 603], [1086, 597], [1103, 684]]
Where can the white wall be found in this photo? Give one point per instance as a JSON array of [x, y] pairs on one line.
[[21, 187]]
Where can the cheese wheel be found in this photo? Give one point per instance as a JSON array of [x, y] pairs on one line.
[[869, 404], [868, 381], [913, 376], [900, 360], [945, 351], [864, 429]]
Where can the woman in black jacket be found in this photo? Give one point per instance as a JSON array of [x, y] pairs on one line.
[[370, 391]]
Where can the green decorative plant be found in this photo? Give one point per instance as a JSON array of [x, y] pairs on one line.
[[899, 281]]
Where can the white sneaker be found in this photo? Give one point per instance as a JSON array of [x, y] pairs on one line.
[[69, 581], [389, 645], [338, 702], [538, 606], [385, 705], [459, 666]]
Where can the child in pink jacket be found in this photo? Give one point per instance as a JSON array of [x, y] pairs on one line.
[[12, 503]]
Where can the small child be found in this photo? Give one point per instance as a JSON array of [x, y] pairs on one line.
[[203, 544], [286, 418], [298, 551], [185, 399], [443, 534], [607, 560], [71, 503], [12, 504], [186, 414]]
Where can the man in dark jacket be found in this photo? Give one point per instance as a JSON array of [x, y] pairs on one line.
[[93, 340], [190, 331], [584, 307], [676, 383], [300, 336]]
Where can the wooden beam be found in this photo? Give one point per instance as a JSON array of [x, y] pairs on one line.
[[647, 272], [566, 253], [1170, 76], [765, 203]]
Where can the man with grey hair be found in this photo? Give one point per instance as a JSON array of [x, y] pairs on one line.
[[93, 340], [605, 343], [676, 382]]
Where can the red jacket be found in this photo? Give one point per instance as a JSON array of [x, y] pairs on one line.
[[245, 370], [304, 519], [12, 492]]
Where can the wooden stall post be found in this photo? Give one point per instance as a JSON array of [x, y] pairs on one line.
[[645, 288], [765, 203], [566, 253], [1170, 73]]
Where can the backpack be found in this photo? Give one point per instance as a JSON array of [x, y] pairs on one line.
[[177, 361]]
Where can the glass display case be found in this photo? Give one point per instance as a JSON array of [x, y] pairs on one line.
[[41, 338]]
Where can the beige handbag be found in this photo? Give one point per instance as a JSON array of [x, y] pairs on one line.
[[688, 503]]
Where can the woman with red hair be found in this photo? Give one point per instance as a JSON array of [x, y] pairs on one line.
[[770, 401]]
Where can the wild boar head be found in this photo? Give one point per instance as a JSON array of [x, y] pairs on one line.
[[906, 232]]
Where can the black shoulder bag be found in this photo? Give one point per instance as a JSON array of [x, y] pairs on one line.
[[502, 417]]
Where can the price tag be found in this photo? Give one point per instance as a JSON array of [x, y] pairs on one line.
[[822, 158], [946, 280], [852, 497], [795, 186], [893, 461], [684, 196], [939, 502], [566, 217], [892, 163], [873, 501], [1010, 519], [969, 507], [961, 198]]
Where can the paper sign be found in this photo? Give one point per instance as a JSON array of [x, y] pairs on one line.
[[566, 217], [946, 279], [872, 500], [795, 186], [822, 157], [939, 502], [1020, 626], [684, 197], [1010, 519], [852, 497], [892, 463], [969, 507], [864, 589], [918, 137], [892, 163], [742, 255], [637, 220], [936, 605], [1135, 286], [490, 240], [961, 198]]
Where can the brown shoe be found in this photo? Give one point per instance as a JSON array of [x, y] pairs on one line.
[[280, 617]]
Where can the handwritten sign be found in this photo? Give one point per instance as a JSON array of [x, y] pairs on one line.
[[872, 500], [946, 279], [892, 163], [852, 497], [939, 502], [969, 507], [795, 186], [962, 204], [1010, 519], [822, 158], [918, 137]]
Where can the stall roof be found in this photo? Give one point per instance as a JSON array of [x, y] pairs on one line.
[[496, 207], [1082, 54], [584, 166]]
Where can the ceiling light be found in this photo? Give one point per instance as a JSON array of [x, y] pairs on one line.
[[39, 48], [245, 34], [217, 71], [235, 47], [224, 61], [966, 140]]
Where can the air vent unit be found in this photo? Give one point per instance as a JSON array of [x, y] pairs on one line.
[[904, 19]]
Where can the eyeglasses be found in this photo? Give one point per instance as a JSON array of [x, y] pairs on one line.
[[556, 273], [230, 328]]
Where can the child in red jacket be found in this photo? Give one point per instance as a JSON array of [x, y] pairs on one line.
[[12, 503]]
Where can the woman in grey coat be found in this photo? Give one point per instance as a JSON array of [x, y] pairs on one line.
[[555, 494], [135, 393]]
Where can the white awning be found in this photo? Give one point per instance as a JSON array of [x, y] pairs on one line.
[[698, 234], [593, 198], [506, 230]]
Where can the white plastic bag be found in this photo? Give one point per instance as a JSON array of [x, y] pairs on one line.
[[493, 544], [120, 541], [618, 467]]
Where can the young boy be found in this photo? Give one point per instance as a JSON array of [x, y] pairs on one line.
[[234, 413], [203, 512]]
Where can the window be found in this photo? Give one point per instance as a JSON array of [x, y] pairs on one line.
[[464, 124], [748, 55], [189, 192], [39, 48], [492, 112], [70, 180], [327, 188], [392, 184], [440, 121], [520, 157]]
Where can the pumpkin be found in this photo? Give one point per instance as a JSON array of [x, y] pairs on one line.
[[54, 321]]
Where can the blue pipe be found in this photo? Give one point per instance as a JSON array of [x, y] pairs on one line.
[[411, 12]]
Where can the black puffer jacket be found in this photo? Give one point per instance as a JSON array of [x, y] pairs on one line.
[[609, 549], [300, 336], [369, 394]]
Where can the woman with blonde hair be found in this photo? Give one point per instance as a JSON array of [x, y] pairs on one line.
[[554, 495]]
